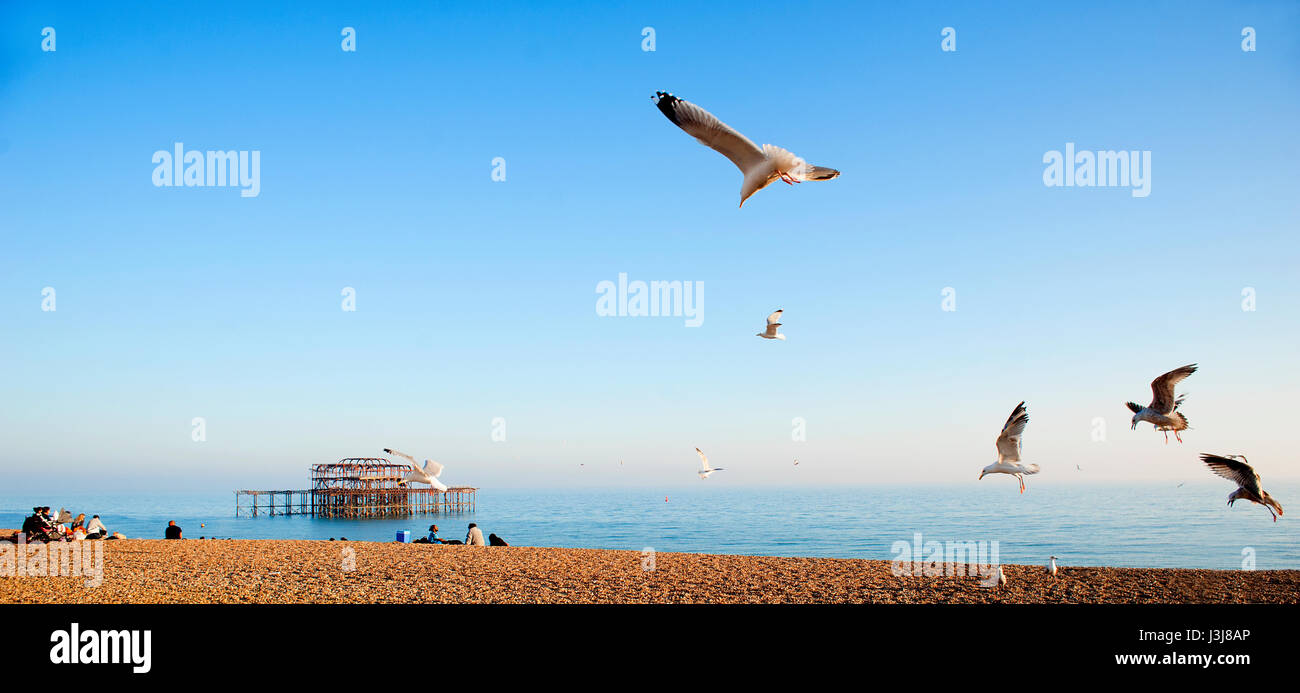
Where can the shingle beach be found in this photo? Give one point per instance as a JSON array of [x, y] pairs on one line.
[[305, 572]]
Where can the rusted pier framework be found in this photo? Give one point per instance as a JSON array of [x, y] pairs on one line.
[[357, 488]]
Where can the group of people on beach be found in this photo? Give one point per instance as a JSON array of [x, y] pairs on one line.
[[45, 526], [474, 537]]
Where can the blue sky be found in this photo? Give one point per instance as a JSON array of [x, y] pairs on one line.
[[476, 299]]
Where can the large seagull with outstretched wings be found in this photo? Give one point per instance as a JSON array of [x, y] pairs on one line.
[[1236, 469], [1163, 411], [427, 474], [1009, 448], [760, 165]]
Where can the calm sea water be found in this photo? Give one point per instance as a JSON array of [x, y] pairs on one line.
[[1148, 525]]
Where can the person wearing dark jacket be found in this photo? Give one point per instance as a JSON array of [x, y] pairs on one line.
[[32, 523], [494, 540]]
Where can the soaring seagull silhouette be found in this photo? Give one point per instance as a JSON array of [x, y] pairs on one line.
[[1236, 469], [428, 474], [1163, 410], [705, 469], [760, 165], [1009, 448], [773, 322]]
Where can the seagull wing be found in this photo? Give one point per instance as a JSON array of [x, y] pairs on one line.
[[775, 318], [1162, 388], [1234, 470], [432, 468], [704, 461], [771, 329], [402, 454], [1009, 440], [710, 131]]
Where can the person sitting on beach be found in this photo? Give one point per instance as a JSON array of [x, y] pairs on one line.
[[494, 540], [79, 522], [173, 531], [96, 529], [39, 528], [33, 524], [54, 530], [433, 535], [475, 536]]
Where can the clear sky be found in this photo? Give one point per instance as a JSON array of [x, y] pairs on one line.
[[475, 298]]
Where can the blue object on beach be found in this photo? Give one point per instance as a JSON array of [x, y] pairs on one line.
[[404, 536]]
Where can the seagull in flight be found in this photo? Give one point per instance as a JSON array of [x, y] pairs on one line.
[[1163, 411], [428, 474], [705, 469], [1236, 469], [1009, 448], [760, 165], [773, 322]]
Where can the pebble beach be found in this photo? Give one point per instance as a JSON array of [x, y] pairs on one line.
[[144, 571]]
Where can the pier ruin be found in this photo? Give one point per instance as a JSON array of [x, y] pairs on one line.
[[356, 488]]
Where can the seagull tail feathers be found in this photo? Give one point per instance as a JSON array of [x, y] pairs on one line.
[[821, 173], [1031, 469]]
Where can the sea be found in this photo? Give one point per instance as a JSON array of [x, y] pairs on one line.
[[1156, 525]]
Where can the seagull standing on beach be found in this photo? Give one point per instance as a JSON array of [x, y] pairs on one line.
[[773, 322], [1009, 448], [705, 469], [1051, 566], [760, 165], [1236, 469], [428, 474], [1163, 411]]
